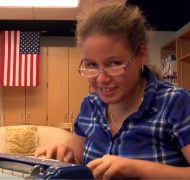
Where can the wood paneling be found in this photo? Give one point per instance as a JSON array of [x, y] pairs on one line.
[[184, 47], [185, 76], [60, 101], [78, 85], [58, 84], [36, 98], [13, 105], [179, 63]]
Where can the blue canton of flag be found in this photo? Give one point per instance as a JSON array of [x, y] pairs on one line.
[[29, 42]]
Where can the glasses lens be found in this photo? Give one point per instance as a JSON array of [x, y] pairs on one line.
[[114, 71], [88, 72]]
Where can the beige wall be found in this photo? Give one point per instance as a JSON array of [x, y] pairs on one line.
[[157, 40]]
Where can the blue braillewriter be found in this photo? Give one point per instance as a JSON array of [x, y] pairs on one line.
[[19, 167]]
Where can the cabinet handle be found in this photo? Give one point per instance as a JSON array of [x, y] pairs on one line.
[[28, 116], [71, 115], [21, 114], [65, 115]]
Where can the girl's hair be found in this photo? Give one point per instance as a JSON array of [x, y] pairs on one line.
[[123, 22]]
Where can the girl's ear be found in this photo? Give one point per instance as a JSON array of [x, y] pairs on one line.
[[142, 55]]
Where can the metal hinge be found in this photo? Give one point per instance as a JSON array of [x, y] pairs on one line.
[[46, 117], [46, 84]]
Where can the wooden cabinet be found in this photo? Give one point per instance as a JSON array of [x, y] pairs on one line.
[[78, 85], [13, 105], [66, 87], [58, 84], [27, 104], [58, 97], [169, 48], [36, 97], [183, 59], [166, 50]]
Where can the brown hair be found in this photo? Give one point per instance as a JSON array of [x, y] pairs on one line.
[[125, 22]]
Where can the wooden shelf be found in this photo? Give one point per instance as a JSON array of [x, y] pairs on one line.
[[170, 45], [186, 34], [185, 58], [180, 46], [169, 48]]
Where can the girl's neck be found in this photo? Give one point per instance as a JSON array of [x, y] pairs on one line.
[[130, 104]]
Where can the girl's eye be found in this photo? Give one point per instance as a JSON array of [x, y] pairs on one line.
[[115, 63], [91, 65]]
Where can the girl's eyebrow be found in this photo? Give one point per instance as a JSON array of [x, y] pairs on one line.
[[109, 58], [113, 57], [88, 60]]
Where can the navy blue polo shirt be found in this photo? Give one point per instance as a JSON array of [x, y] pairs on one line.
[[156, 132]]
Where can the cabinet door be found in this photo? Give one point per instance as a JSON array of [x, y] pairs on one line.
[[78, 85], [36, 96], [58, 84], [13, 105]]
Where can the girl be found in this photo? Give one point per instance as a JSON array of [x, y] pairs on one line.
[[132, 126]]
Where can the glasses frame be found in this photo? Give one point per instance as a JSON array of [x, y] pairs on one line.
[[125, 67]]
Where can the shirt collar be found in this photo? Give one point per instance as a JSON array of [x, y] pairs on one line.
[[149, 94], [148, 104]]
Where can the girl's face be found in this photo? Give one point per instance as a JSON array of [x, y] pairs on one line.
[[100, 52]]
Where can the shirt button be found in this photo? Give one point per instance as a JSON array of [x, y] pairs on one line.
[[110, 143]]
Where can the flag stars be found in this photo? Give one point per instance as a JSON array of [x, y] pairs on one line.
[[29, 42]]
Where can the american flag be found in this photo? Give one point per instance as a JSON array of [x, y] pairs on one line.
[[20, 52]]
